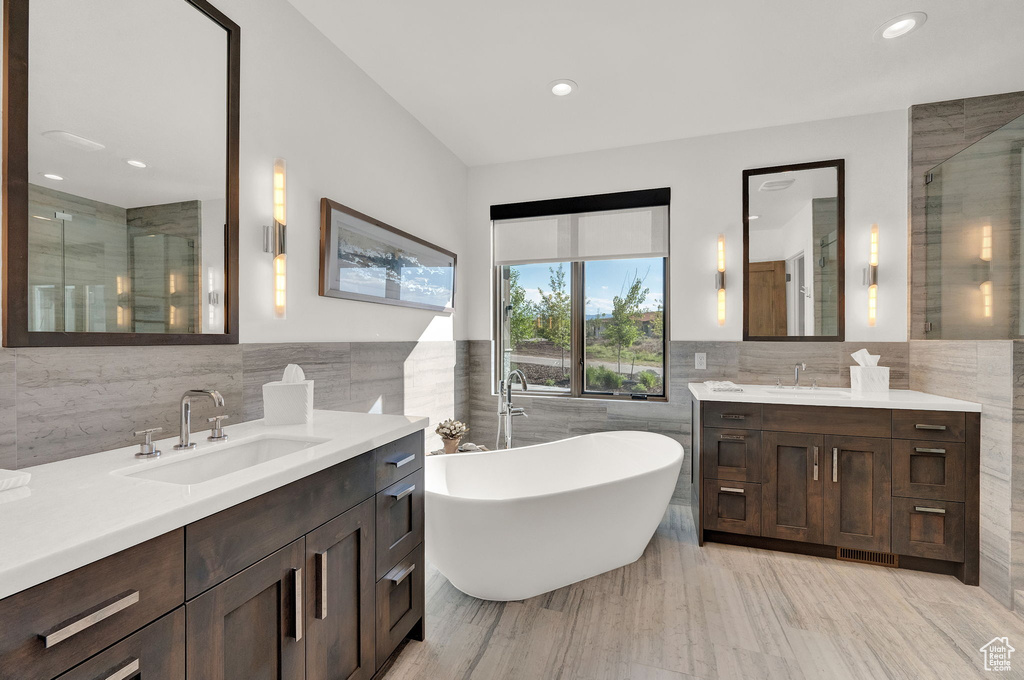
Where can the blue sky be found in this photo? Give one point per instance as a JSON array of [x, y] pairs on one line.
[[605, 280]]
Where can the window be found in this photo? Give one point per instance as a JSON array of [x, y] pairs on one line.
[[582, 295]]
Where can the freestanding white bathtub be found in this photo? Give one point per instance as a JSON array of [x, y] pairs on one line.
[[512, 524]]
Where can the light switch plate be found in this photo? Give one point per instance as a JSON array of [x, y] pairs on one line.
[[700, 360]]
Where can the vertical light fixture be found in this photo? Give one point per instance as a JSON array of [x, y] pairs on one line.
[[986, 299], [872, 277], [720, 280], [986, 243], [986, 271], [277, 239]]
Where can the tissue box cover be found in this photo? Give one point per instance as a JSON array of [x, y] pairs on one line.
[[869, 379], [12, 479], [288, 403]]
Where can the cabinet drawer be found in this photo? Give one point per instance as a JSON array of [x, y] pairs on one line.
[[399, 602], [732, 454], [923, 469], [735, 416], [836, 420], [935, 426], [732, 506], [221, 545], [399, 520], [398, 459], [49, 628], [924, 528], [156, 651]]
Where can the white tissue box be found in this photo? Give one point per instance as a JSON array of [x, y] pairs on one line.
[[12, 479], [288, 403], [869, 379]]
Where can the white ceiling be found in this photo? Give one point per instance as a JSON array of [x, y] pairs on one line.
[[776, 208], [475, 72]]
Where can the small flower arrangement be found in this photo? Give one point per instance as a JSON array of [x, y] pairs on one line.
[[451, 429]]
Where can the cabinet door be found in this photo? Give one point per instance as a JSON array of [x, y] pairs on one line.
[[250, 627], [858, 492], [340, 597], [732, 454], [793, 474]]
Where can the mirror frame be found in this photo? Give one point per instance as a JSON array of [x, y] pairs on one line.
[[840, 166], [15, 198]]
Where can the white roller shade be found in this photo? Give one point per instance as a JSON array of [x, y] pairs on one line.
[[605, 235]]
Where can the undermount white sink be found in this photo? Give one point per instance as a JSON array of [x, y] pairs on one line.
[[799, 392], [198, 467]]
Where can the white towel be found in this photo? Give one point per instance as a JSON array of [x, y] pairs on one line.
[[12, 479], [722, 386]]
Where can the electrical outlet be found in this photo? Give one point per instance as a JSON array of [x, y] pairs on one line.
[[700, 360]]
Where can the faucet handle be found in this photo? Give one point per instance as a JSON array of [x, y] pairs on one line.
[[217, 433], [146, 448]]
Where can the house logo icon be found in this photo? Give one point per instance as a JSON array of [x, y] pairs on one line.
[[997, 654]]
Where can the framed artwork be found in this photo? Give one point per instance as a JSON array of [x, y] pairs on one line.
[[367, 260]]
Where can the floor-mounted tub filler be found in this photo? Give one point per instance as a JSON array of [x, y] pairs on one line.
[[512, 524]]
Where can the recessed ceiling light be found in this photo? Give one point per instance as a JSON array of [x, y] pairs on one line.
[[777, 184], [50, 175], [73, 140], [902, 25], [753, 217], [136, 164], [563, 87]]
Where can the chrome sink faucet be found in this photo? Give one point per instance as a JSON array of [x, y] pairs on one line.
[[507, 411], [185, 439], [796, 374]]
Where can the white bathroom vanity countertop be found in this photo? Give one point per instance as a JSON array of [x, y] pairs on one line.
[[77, 511], [834, 396]]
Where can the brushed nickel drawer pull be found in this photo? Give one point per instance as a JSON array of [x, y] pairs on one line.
[[937, 428], [835, 464], [815, 463], [297, 575], [731, 489], [404, 492], [733, 437], [398, 578], [90, 617], [921, 449], [321, 585], [936, 511], [401, 459], [733, 416], [124, 670]]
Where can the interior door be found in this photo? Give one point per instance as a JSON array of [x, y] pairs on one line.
[[250, 627], [793, 477], [858, 492], [340, 597], [767, 290]]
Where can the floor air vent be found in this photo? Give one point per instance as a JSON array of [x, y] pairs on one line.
[[868, 557]]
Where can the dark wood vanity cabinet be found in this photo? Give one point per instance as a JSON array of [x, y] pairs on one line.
[[897, 487], [320, 579]]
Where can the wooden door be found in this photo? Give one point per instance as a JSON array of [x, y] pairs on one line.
[[340, 597], [767, 297], [793, 477], [858, 492], [250, 627]]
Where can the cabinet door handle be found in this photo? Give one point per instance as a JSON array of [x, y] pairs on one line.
[[937, 428], [297, 576], [733, 416], [815, 463], [321, 585], [731, 489], [124, 670], [401, 459], [937, 452], [399, 577], [733, 437], [835, 464], [89, 617], [936, 511], [403, 493]]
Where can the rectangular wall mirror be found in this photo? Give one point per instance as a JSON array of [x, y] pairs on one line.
[[793, 252], [120, 173]]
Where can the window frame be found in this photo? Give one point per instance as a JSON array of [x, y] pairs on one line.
[[577, 284]]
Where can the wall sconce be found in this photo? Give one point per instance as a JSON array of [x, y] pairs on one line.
[[274, 239], [985, 271], [871, 277], [986, 299], [986, 243], [720, 280]]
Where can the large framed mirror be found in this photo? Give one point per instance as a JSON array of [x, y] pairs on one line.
[[793, 252], [120, 173]]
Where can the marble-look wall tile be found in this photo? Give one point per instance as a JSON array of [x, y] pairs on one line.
[[73, 401], [327, 364], [8, 411], [1017, 477]]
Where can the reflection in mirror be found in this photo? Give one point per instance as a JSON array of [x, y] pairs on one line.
[[127, 160], [794, 257]]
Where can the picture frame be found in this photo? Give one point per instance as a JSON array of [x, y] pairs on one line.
[[364, 259]]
